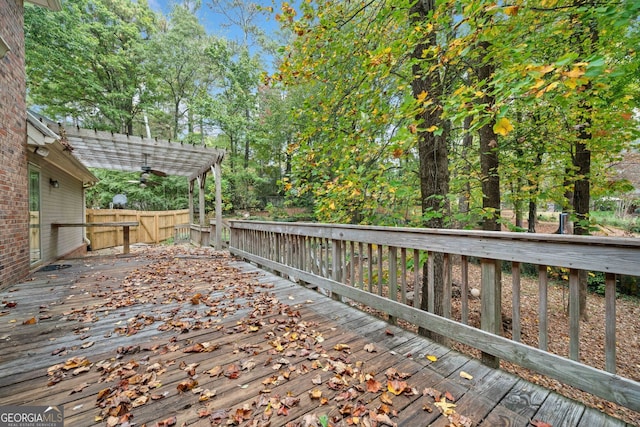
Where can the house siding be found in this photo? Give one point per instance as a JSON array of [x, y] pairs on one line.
[[14, 184], [62, 204]]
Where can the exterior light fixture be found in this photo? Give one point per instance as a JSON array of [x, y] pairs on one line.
[[54, 183], [4, 48], [41, 151]]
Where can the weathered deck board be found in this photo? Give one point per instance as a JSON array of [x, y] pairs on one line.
[[491, 398]]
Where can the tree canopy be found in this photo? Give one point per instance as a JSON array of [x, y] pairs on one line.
[[437, 113]]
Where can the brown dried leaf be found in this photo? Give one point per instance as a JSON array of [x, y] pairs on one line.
[[168, 422], [196, 348], [341, 347], [187, 385], [31, 321], [203, 412], [396, 386], [79, 388], [386, 398], [538, 423], [215, 371], [315, 394], [373, 386], [432, 392]]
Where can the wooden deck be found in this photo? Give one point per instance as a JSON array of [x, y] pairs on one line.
[[193, 334]]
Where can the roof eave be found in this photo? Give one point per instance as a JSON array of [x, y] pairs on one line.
[[54, 5]]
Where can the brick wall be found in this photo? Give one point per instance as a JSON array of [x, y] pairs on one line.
[[14, 204]]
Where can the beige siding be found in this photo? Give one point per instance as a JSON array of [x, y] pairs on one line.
[[62, 204]]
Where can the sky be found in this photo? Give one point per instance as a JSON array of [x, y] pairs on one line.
[[214, 23]]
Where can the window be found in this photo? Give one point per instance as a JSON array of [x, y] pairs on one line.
[[34, 215]]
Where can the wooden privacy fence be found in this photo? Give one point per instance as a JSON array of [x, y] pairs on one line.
[[155, 226], [373, 266]]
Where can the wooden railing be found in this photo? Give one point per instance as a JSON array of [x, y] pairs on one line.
[[373, 266]]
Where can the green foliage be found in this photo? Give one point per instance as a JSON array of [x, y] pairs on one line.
[[166, 193], [84, 61]]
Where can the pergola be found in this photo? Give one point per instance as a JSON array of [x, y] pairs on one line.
[[128, 153]]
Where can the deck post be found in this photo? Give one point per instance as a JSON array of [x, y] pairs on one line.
[[491, 312]]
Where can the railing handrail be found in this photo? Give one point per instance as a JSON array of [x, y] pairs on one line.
[[620, 255]]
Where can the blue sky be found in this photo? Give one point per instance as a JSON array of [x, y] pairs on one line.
[[213, 22]]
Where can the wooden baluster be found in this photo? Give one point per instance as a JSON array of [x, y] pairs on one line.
[[417, 284], [360, 265], [336, 267], [393, 278], [464, 289], [430, 283], [610, 322], [370, 266], [543, 341], [403, 275], [574, 314], [515, 301], [380, 272], [446, 294], [352, 264], [491, 310]]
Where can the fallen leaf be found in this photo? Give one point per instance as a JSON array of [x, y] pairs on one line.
[[431, 357], [370, 348], [458, 420], [315, 394], [465, 375], [167, 422], [538, 423], [206, 395], [140, 401], [386, 398], [445, 407], [79, 388], [31, 321], [341, 347], [215, 371], [396, 386], [187, 385], [373, 386]]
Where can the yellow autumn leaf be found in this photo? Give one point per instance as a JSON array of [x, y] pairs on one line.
[[546, 69], [571, 83], [465, 375], [503, 126], [432, 128], [432, 357], [511, 10], [421, 96], [445, 407], [574, 73], [538, 83]]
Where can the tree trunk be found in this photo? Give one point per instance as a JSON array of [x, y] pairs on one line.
[[490, 197], [467, 141], [587, 35], [489, 157], [434, 163], [533, 197], [433, 158]]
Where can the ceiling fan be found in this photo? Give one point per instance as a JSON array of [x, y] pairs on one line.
[[147, 171]]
